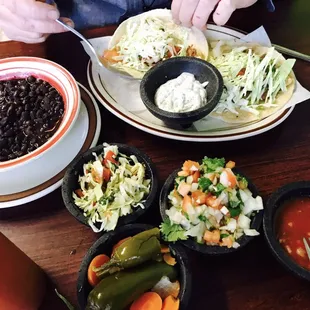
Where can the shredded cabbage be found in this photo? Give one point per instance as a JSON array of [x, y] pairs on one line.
[[104, 201], [149, 41], [251, 81]]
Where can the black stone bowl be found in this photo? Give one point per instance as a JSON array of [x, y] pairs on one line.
[[203, 248], [172, 68], [70, 182], [105, 244], [273, 208]]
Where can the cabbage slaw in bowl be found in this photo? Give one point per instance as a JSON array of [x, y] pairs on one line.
[[112, 185], [208, 204]]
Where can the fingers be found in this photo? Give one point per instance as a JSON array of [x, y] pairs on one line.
[[31, 9], [16, 34], [223, 12], [29, 25], [202, 13], [187, 11], [175, 9]]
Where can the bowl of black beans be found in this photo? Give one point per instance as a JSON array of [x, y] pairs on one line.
[[39, 103]]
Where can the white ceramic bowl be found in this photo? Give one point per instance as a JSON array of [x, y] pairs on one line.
[[63, 81]]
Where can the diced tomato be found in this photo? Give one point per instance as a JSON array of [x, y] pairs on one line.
[[231, 178], [231, 164], [177, 49], [109, 157], [186, 203], [106, 174], [79, 193], [199, 197], [184, 188], [196, 176], [109, 56], [212, 202], [97, 178], [264, 95], [241, 72], [228, 179], [190, 166], [183, 173], [212, 236], [227, 241]]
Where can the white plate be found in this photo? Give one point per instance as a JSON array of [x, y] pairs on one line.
[[60, 158], [217, 131]]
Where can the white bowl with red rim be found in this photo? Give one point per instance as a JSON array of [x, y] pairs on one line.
[[65, 84]]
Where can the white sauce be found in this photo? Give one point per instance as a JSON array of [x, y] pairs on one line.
[[182, 94]]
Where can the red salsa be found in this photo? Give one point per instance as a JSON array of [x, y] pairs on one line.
[[293, 227]]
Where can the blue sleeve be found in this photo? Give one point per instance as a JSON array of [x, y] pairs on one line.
[[95, 13], [270, 5]]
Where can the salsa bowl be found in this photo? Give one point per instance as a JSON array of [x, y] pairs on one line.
[[286, 223]]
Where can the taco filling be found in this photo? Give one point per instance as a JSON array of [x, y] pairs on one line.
[[254, 80], [147, 41]]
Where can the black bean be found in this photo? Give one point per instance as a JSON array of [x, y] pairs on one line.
[[11, 156], [25, 116], [10, 110], [3, 143], [24, 148], [31, 79], [9, 133], [28, 131], [30, 113], [3, 121]]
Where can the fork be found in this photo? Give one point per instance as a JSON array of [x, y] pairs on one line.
[[92, 49], [307, 246]]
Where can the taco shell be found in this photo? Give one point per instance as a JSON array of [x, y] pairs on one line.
[[196, 39], [282, 98]]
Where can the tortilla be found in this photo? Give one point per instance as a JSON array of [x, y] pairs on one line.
[[196, 40], [281, 100]]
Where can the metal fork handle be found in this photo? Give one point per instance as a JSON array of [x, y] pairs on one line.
[[81, 37], [292, 53]]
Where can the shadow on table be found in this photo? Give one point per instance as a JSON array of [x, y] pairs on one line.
[[207, 290], [51, 300], [46, 205]]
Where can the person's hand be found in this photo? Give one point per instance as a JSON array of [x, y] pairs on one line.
[[29, 21], [197, 12]]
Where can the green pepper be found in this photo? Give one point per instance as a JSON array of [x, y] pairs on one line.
[[138, 249], [118, 291]]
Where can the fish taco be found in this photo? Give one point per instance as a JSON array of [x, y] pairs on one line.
[[258, 81], [142, 41]]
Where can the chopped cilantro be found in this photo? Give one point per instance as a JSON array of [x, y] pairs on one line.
[[224, 236], [234, 211], [202, 218], [204, 183], [172, 232], [218, 188], [186, 215], [243, 182], [211, 164], [234, 203]]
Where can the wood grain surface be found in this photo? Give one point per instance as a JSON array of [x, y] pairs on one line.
[[248, 279]]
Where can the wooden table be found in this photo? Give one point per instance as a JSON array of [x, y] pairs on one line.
[[249, 279]]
